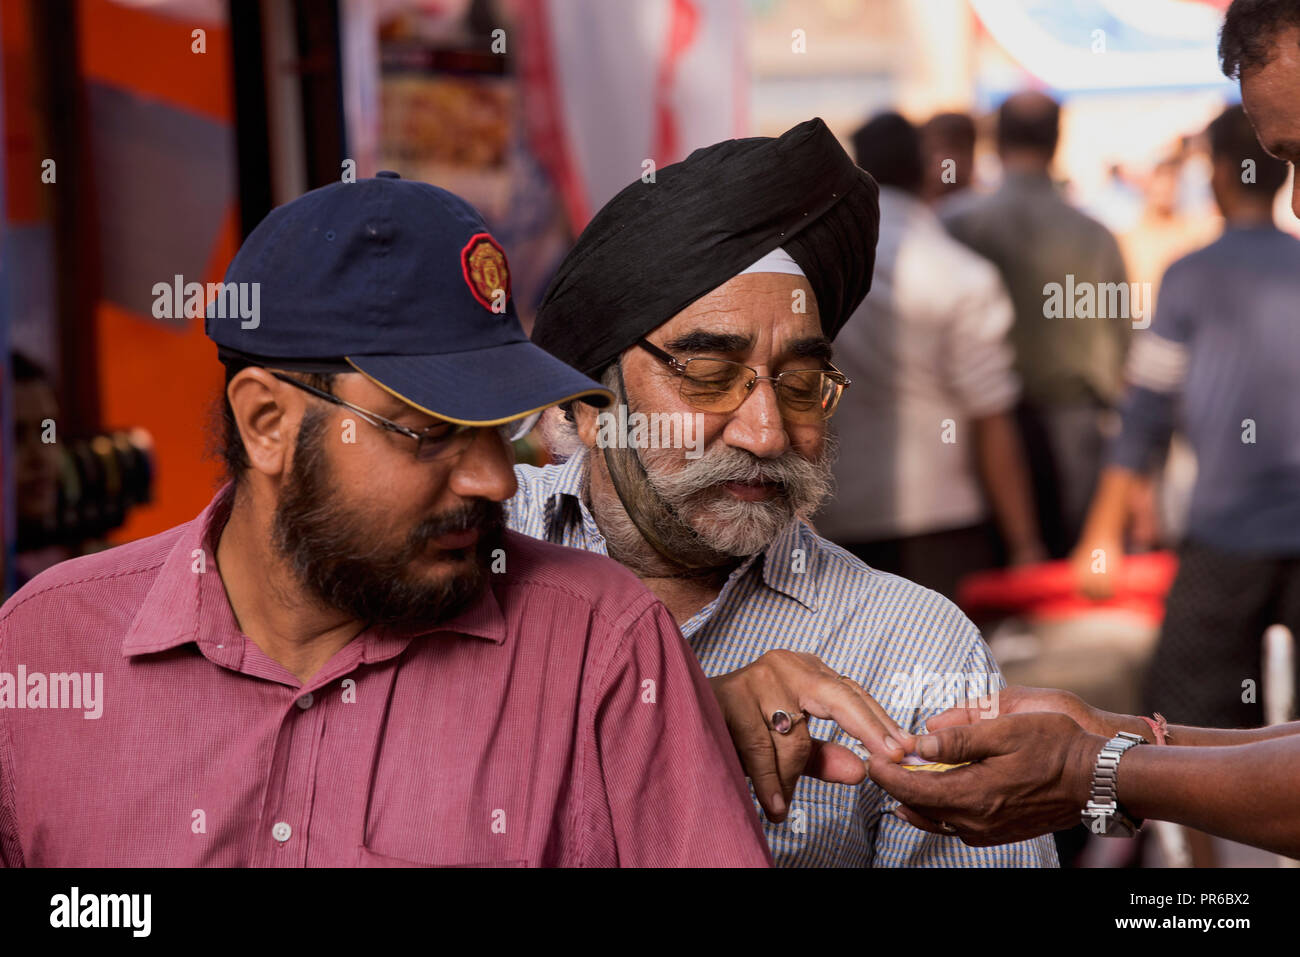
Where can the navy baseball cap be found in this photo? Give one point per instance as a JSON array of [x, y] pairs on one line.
[[402, 282]]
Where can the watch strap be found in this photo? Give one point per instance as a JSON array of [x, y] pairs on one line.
[[1103, 813]]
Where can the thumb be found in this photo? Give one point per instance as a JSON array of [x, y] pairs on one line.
[[962, 714], [953, 745], [834, 762]]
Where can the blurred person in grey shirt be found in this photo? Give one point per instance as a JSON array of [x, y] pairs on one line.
[[929, 443], [1069, 364]]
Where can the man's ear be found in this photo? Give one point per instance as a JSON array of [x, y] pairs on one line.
[[584, 418], [267, 424]]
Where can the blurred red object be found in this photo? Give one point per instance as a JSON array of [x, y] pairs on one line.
[[1048, 590]]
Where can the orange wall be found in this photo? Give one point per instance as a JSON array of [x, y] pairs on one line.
[[151, 376]]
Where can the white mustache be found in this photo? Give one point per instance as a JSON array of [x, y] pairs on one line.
[[805, 483]]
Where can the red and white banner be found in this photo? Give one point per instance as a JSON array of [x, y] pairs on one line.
[[608, 86]]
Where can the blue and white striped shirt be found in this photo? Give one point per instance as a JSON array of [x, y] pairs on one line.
[[805, 593]]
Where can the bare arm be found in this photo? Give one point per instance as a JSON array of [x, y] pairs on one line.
[[1248, 793], [1001, 463], [1101, 544], [1211, 737], [981, 376], [1108, 723], [1020, 699]]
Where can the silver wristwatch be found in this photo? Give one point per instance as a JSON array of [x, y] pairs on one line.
[[1102, 814]]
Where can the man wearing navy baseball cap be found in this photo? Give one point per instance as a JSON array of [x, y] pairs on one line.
[[345, 659]]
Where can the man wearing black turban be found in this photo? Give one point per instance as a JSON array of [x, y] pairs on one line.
[[705, 220], [706, 298]]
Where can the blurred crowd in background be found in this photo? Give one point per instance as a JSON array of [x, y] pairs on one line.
[[1000, 443]]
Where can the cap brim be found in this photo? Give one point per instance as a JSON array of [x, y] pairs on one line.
[[484, 386]]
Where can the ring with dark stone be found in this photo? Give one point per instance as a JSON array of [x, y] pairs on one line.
[[783, 722]]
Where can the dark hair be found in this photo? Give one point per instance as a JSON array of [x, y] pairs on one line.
[[231, 444], [25, 369], [1250, 30], [889, 148], [955, 131], [1232, 140], [1029, 120]]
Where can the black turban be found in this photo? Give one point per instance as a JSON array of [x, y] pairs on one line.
[[656, 247]]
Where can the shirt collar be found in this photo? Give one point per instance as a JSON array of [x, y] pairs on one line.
[[790, 564], [483, 619], [563, 513], [188, 603], [570, 476], [787, 565]]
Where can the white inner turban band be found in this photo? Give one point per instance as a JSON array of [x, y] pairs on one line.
[[778, 260]]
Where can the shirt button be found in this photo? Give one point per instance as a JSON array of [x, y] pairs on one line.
[[305, 701], [281, 831]]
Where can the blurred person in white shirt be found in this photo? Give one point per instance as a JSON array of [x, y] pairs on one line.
[[931, 453]]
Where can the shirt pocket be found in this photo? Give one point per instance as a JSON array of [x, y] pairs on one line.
[[369, 858]]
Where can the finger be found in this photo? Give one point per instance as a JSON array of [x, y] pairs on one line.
[[835, 763], [920, 821], [962, 743], [856, 713], [905, 741], [792, 753], [919, 788], [941, 745], [753, 743], [926, 799], [925, 790], [906, 786]]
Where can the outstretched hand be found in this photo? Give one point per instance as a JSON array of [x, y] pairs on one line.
[[1031, 775]]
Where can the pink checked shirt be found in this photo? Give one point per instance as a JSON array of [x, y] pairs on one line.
[[561, 721]]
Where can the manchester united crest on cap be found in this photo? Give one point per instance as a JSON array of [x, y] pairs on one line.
[[486, 272]]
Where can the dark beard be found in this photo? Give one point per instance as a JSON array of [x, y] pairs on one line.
[[339, 558]]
